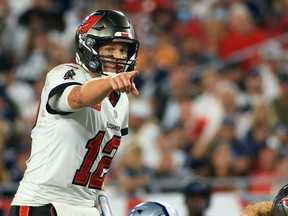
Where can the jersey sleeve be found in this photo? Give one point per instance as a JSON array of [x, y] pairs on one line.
[[58, 79]]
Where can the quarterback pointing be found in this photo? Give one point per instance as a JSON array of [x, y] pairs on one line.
[[83, 113]]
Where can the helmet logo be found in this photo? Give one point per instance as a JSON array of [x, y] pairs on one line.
[[284, 202], [88, 23]]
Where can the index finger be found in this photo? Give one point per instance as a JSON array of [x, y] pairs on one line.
[[132, 74]]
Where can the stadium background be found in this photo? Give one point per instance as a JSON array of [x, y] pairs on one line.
[[213, 95]]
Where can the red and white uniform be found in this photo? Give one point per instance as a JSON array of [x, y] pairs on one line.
[[71, 152]]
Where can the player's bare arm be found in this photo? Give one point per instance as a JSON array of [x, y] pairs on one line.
[[96, 89]]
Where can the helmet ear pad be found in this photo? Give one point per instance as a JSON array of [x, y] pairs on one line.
[[90, 60]]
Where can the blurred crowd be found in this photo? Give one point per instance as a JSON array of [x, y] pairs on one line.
[[213, 86]]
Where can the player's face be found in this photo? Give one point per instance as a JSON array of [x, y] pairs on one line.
[[114, 51], [196, 204]]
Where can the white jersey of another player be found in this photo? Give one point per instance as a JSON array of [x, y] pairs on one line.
[[82, 142]]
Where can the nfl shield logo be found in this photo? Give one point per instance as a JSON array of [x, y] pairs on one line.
[[115, 114]]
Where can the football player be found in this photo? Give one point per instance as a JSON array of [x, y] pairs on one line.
[[82, 115]]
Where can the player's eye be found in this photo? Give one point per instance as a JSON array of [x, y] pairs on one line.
[[124, 53], [109, 49]]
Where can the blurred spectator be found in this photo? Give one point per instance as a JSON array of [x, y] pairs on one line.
[[277, 19], [197, 193], [4, 132], [134, 175], [7, 29], [279, 139], [271, 55], [264, 168], [280, 104], [209, 97], [186, 26], [166, 53], [231, 99], [214, 30], [221, 166], [13, 88], [38, 14], [227, 138], [42, 13], [57, 53], [232, 72], [242, 33], [9, 110], [143, 129], [192, 50], [253, 94], [187, 132], [163, 20], [35, 61], [170, 157], [262, 122], [210, 121], [152, 74], [22, 100], [167, 94], [259, 10], [199, 9]]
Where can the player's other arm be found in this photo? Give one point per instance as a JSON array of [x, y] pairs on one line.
[[95, 90]]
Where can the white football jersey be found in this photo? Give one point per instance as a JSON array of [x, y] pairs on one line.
[[71, 152]]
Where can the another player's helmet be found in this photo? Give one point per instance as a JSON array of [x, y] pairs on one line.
[[280, 203], [105, 26], [153, 209], [197, 187]]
